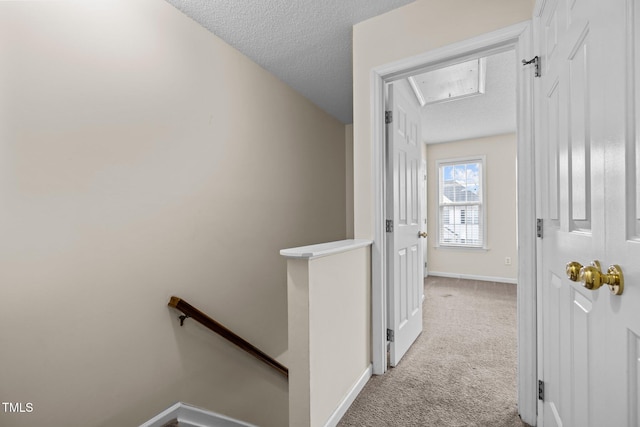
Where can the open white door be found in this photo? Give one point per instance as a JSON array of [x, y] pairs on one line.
[[423, 219], [589, 339], [405, 260]]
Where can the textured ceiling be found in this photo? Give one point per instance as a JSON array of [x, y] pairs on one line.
[[305, 43], [491, 113]]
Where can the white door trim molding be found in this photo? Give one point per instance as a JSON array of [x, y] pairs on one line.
[[517, 36]]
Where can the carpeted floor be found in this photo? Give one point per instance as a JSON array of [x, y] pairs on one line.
[[460, 372]]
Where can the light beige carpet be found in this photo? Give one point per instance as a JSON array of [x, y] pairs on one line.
[[460, 372]]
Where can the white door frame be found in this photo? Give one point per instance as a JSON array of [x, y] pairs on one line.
[[518, 37]]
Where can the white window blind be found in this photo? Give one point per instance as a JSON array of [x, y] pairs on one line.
[[461, 206]]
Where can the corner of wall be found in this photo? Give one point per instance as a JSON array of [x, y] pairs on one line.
[[348, 145]]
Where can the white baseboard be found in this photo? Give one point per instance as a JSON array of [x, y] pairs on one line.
[[196, 417], [474, 277], [349, 398], [192, 416]]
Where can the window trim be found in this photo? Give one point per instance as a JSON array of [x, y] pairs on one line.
[[482, 159]]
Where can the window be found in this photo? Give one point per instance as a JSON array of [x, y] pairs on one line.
[[461, 205]]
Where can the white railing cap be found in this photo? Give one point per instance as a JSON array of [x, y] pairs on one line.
[[324, 249]]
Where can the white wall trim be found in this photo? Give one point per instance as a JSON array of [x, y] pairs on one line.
[[495, 41], [339, 412], [527, 241], [378, 249], [193, 416], [474, 277], [516, 36]]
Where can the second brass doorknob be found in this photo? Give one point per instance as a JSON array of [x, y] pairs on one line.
[[573, 271]]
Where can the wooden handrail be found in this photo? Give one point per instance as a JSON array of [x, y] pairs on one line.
[[223, 331]]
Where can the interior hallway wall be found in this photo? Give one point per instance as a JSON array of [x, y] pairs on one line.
[[142, 157], [500, 204]]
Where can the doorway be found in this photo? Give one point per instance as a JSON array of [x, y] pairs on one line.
[[469, 134], [517, 37]]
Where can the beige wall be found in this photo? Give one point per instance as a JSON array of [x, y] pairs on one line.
[[349, 177], [142, 157], [404, 32], [500, 205], [329, 334]]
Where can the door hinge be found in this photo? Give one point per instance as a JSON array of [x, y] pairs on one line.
[[539, 227], [541, 390], [390, 335], [536, 62], [388, 117], [389, 226]]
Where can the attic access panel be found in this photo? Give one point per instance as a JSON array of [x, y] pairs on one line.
[[450, 83]]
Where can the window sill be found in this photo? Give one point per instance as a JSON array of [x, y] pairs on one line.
[[462, 248]]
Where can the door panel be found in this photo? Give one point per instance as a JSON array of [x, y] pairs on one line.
[[551, 33], [633, 364], [580, 349], [551, 318], [404, 208], [589, 95], [553, 138], [580, 135]]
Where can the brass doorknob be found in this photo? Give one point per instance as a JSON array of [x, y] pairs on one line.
[[573, 271], [422, 234], [593, 278]]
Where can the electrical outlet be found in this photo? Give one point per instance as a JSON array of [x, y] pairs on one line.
[[507, 261]]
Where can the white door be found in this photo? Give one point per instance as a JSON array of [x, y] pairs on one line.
[[589, 340], [423, 220], [405, 260]]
